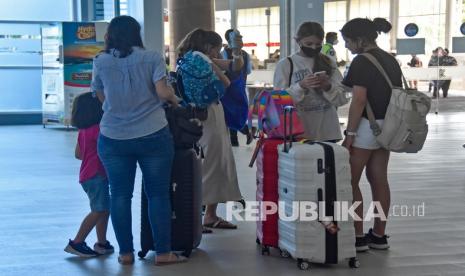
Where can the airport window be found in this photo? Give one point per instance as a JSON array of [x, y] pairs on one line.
[[222, 22], [335, 18], [253, 25], [429, 15], [38, 10], [458, 15], [123, 7], [104, 10], [373, 9]]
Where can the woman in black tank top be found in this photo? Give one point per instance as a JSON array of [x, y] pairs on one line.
[[368, 86]]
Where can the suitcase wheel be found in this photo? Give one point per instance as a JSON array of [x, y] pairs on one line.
[[242, 202], [303, 265], [142, 254], [186, 253], [354, 263], [257, 241], [284, 253], [265, 250]]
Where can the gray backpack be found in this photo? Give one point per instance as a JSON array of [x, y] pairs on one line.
[[404, 128]]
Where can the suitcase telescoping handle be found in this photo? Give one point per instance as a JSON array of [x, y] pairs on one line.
[[288, 112]]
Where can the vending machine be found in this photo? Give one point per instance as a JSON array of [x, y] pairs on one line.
[[68, 49]]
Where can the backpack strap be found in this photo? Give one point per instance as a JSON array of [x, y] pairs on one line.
[[380, 68], [291, 71], [375, 128]]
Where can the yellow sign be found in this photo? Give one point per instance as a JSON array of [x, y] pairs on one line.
[[86, 32]]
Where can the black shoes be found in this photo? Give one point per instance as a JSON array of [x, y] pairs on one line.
[[361, 244], [249, 138], [368, 241], [375, 242]]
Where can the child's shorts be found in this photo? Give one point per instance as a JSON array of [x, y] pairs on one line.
[[365, 138], [97, 190]]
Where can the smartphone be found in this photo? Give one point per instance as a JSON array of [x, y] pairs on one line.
[[319, 73]]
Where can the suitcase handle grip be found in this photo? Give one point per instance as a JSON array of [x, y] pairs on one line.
[[288, 111], [319, 199]]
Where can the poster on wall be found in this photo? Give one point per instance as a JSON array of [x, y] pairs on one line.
[[80, 45]]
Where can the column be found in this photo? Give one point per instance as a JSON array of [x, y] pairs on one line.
[[186, 15], [450, 10], [149, 13], [394, 19], [233, 9], [87, 10], [294, 13], [77, 10]]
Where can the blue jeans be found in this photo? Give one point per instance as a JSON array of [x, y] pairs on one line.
[[154, 154]]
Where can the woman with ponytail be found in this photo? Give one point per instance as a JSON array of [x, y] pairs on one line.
[[314, 83], [369, 86]]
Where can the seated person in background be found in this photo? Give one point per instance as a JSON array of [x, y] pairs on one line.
[[414, 62], [446, 60]]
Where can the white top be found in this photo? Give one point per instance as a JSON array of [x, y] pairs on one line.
[[318, 115]]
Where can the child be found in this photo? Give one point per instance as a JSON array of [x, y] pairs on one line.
[[86, 115]]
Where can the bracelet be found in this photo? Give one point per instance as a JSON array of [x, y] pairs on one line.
[[349, 133]]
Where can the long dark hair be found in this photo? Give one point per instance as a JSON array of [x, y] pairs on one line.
[[123, 33], [365, 30], [87, 111], [322, 62], [199, 40]]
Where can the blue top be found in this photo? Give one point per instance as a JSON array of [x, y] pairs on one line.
[[132, 108]]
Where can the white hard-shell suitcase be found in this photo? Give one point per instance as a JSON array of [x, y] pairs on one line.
[[319, 173]]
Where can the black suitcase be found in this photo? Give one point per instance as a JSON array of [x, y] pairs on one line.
[[186, 205]]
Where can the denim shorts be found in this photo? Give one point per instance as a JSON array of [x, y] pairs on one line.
[[97, 190]]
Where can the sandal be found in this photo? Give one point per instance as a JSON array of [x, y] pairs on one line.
[[172, 259], [127, 259], [206, 230], [220, 224]]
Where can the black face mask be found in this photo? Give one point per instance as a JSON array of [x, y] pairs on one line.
[[310, 52]]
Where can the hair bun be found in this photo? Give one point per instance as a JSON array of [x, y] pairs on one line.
[[382, 25]]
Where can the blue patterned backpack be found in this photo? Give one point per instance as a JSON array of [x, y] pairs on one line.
[[200, 84]]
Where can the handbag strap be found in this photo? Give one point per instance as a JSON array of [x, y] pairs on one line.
[[291, 64]]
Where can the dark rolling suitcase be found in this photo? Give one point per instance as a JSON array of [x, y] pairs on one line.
[[186, 205]]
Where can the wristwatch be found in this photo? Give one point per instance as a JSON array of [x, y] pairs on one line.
[[349, 133]]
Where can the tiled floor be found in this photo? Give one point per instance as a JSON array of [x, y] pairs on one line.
[[42, 205]]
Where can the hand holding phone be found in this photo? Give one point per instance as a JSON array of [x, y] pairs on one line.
[[319, 73], [323, 80]]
